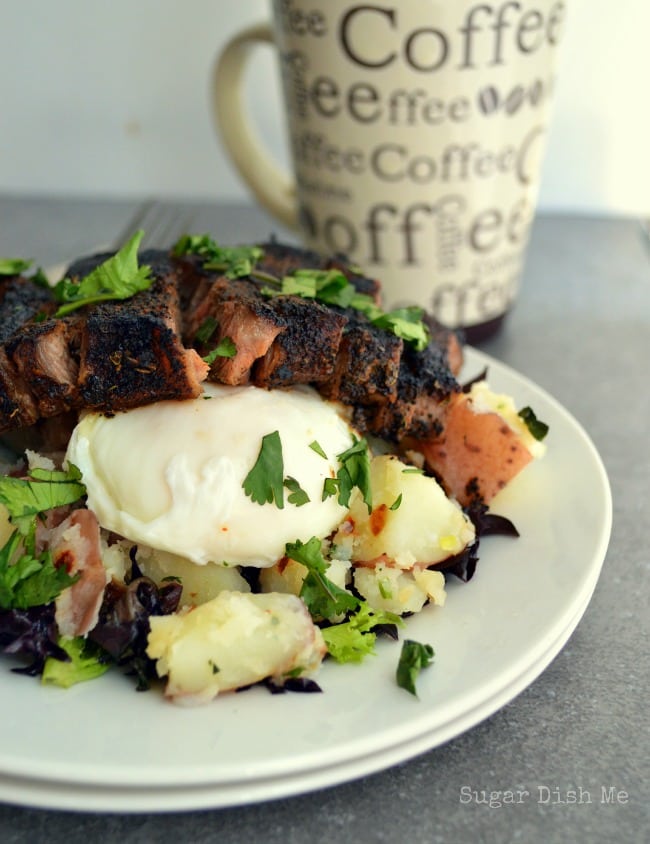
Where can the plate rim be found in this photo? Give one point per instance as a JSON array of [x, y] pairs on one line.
[[395, 741]]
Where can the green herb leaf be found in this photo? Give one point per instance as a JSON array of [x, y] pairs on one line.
[[322, 598], [396, 504], [206, 329], [14, 266], [232, 261], [316, 446], [264, 482], [352, 640], [354, 472], [44, 491], [225, 349], [28, 581], [413, 658], [117, 278], [297, 496], [87, 661], [536, 427], [407, 324]]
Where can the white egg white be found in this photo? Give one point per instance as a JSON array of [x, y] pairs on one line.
[[170, 475]]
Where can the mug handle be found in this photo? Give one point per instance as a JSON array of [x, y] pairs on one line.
[[271, 186]]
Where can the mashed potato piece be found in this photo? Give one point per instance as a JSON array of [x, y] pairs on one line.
[[234, 640], [169, 475]]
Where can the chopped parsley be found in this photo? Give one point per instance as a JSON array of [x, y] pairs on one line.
[[322, 598], [14, 266], [330, 287], [232, 261], [396, 504], [537, 428], [353, 472], [42, 491], [265, 483], [206, 329], [27, 578], [413, 658], [297, 494], [119, 277], [224, 349], [316, 446]]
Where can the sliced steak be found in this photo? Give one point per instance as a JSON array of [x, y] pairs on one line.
[[424, 385], [305, 351], [46, 356], [233, 308], [131, 351], [20, 301], [17, 406], [367, 365], [280, 259]]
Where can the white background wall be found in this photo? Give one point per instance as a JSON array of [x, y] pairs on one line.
[[109, 97]]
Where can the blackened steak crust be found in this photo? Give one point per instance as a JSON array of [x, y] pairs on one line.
[[110, 357], [131, 352], [20, 301], [286, 340], [118, 355]]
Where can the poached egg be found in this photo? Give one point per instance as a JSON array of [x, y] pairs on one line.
[[170, 475]]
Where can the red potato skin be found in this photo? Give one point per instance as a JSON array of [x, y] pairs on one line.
[[476, 454]]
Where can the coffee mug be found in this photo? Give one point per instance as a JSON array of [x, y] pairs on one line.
[[417, 130]]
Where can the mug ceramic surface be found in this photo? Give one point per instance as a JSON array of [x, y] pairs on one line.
[[417, 130]]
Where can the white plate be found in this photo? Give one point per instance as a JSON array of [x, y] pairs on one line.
[[101, 746]]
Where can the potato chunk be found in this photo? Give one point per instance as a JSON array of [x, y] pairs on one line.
[[200, 583], [399, 591], [233, 640], [411, 521]]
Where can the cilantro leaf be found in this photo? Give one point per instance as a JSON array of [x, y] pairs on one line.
[[354, 472], [407, 324], [330, 287], [297, 496], [322, 598], [224, 349], [232, 261], [117, 278], [396, 504], [264, 483], [44, 490], [86, 662], [206, 329], [29, 581], [537, 428], [413, 658], [318, 448], [352, 640], [14, 266]]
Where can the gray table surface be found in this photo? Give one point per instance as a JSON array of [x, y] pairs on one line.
[[581, 330]]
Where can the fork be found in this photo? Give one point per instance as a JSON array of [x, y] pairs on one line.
[[162, 224]]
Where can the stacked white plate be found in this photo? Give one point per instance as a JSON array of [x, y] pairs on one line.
[[101, 746]]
